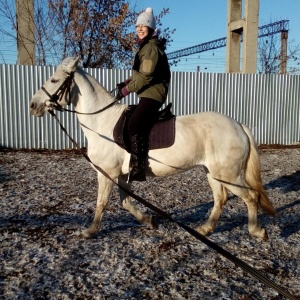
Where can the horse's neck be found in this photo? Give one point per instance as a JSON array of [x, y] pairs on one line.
[[91, 97]]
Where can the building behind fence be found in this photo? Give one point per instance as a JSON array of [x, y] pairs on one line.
[[268, 104]]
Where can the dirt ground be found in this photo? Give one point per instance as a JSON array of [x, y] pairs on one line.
[[47, 197]]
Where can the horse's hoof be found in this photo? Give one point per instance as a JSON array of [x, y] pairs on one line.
[[266, 237], [261, 234], [202, 230], [153, 223], [87, 234]]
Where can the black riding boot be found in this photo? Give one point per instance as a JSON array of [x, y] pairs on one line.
[[139, 151]]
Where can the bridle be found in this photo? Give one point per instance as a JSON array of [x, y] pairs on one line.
[[57, 96], [66, 87]]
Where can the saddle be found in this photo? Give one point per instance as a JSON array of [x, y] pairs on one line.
[[162, 134]]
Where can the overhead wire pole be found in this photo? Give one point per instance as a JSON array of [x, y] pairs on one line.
[[265, 30], [283, 52], [25, 32], [242, 20]]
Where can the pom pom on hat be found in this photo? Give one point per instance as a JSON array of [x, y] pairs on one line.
[[146, 18]]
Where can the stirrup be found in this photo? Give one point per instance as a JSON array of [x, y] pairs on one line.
[[134, 174]]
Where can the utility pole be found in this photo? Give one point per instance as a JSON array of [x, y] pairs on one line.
[[246, 28], [25, 32], [283, 51]]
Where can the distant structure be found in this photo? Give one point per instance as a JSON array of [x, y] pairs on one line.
[[25, 32], [265, 30]]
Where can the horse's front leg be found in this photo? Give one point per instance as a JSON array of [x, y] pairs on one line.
[[104, 189], [129, 206]]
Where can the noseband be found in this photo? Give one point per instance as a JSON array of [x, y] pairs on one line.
[[57, 96]]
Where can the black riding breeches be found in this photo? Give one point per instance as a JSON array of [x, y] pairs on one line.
[[143, 117]]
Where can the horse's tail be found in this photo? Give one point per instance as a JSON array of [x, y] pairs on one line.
[[253, 177]]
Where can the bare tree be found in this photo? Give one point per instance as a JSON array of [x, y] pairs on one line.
[[7, 30], [101, 32], [271, 58], [44, 29], [7, 13]]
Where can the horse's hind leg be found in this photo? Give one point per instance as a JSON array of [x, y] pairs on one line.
[[129, 206], [220, 198], [250, 197]]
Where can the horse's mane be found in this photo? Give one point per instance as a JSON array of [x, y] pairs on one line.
[[92, 82]]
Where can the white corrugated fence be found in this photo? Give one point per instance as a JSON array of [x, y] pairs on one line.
[[268, 104]]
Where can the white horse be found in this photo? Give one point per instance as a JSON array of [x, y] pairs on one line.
[[224, 147]]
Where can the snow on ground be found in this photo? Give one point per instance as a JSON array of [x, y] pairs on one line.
[[48, 197]]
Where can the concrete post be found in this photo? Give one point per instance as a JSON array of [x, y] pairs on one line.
[[250, 36], [247, 28], [283, 51], [234, 11], [25, 32]]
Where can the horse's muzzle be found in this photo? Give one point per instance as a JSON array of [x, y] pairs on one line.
[[37, 110]]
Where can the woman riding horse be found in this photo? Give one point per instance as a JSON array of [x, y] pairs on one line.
[[150, 80]]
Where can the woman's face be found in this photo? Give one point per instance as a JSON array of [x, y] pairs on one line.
[[142, 31]]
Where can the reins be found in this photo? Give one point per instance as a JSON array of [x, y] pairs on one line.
[[92, 113], [243, 265]]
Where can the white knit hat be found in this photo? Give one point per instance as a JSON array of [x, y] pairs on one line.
[[146, 18]]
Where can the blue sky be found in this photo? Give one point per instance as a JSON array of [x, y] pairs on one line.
[[200, 21]]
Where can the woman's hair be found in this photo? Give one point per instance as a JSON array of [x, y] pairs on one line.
[[162, 43], [150, 32]]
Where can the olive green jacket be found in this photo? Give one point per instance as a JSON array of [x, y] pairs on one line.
[[151, 72]]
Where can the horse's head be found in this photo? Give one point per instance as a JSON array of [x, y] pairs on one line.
[[55, 92]]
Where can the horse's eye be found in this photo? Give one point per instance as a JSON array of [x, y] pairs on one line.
[[54, 80]]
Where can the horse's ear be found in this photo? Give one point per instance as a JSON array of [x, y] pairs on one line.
[[70, 64]]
